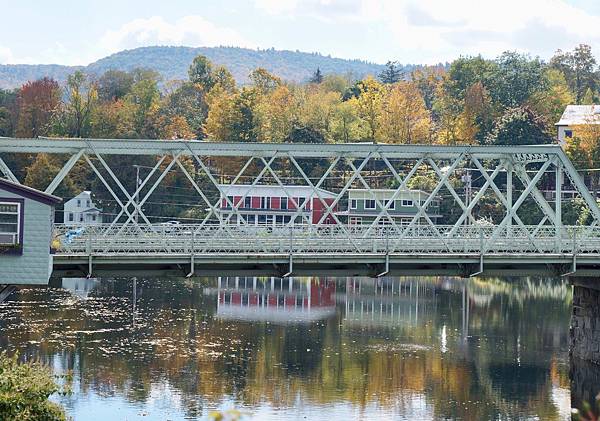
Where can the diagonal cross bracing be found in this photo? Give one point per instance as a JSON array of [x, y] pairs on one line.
[[419, 236]]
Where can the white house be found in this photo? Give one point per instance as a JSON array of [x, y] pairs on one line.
[[576, 115], [81, 210]]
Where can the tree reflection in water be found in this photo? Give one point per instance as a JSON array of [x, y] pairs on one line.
[[428, 348]]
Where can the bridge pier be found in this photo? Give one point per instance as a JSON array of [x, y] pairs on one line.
[[585, 320]]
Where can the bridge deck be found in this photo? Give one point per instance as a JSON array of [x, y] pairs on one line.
[[332, 250]]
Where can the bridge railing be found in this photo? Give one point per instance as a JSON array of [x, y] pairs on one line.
[[327, 240]]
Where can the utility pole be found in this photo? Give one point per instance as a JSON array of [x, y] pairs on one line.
[[137, 193], [466, 178]]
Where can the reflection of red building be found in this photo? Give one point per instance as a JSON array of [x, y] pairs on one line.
[[275, 299], [275, 205]]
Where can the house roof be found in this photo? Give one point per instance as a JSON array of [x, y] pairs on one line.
[[580, 114], [29, 192], [268, 190], [389, 191]]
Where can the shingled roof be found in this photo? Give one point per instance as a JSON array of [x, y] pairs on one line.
[[28, 192]]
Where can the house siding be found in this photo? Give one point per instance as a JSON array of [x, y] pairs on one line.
[[34, 265]]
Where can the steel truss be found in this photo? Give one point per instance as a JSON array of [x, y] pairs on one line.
[[515, 178]]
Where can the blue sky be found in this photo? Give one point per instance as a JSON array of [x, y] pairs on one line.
[[410, 31]]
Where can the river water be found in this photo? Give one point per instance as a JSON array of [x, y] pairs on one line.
[[316, 349]]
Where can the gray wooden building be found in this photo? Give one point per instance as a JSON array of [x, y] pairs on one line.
[[26, 217]]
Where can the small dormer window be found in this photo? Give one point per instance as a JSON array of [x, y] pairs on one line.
[[78, 203], [88, 203]]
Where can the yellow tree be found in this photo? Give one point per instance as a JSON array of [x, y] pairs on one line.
[[264, 81], [584, 148], [318, 109], [455, 125], [404, 118], [176, 127], [551, 102], [221, 107], [276, 113], [345, 125], [369, 104]]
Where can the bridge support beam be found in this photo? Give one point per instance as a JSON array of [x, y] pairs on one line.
[[585, 320]]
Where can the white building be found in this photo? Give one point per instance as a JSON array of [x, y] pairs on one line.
[[81, 210], [576, 115]]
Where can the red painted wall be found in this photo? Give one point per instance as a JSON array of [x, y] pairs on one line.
[[319, 211]]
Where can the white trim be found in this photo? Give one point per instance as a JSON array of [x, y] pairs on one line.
[[15, 235]]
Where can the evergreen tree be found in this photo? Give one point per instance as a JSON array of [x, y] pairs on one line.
[[317, 77], [392, 73]]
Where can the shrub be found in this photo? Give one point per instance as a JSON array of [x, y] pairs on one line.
[[24, 391]]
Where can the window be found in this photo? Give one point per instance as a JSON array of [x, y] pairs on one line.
[[88, 203], [265, 203], [300, 201], [227, 202], [392, 204], [10, 222], [269, 219], [70, 216], [94, 218], [407, 203], [355, 220], [283, 202], [247, 202], [80, 217], [78, 203], [251, 219], [353, 203], [369, 204], [568, 133]]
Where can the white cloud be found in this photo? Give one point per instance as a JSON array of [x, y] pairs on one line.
[[6, 55], [190, 30], [277, 7], [440, 30]]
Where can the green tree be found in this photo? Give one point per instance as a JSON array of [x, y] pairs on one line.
[[303, 134], [114, 85], [188, 100], [8, 112], [145, 99], [201, 72], [317, 77], [465, 72], [392, 73], [24, 391], [519, 126], [83, 96], [579, 68], [515, 78]]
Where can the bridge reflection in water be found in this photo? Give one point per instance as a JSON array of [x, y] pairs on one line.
[[345, 348]]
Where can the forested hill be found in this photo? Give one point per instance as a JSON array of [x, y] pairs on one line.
[[173, 63]]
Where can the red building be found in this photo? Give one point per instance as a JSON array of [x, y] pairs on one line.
[[276, 300], [271, 205]]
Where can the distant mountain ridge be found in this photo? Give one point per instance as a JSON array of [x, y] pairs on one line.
[[173, 62]]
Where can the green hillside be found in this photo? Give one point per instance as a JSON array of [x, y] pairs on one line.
[[173, 62]]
